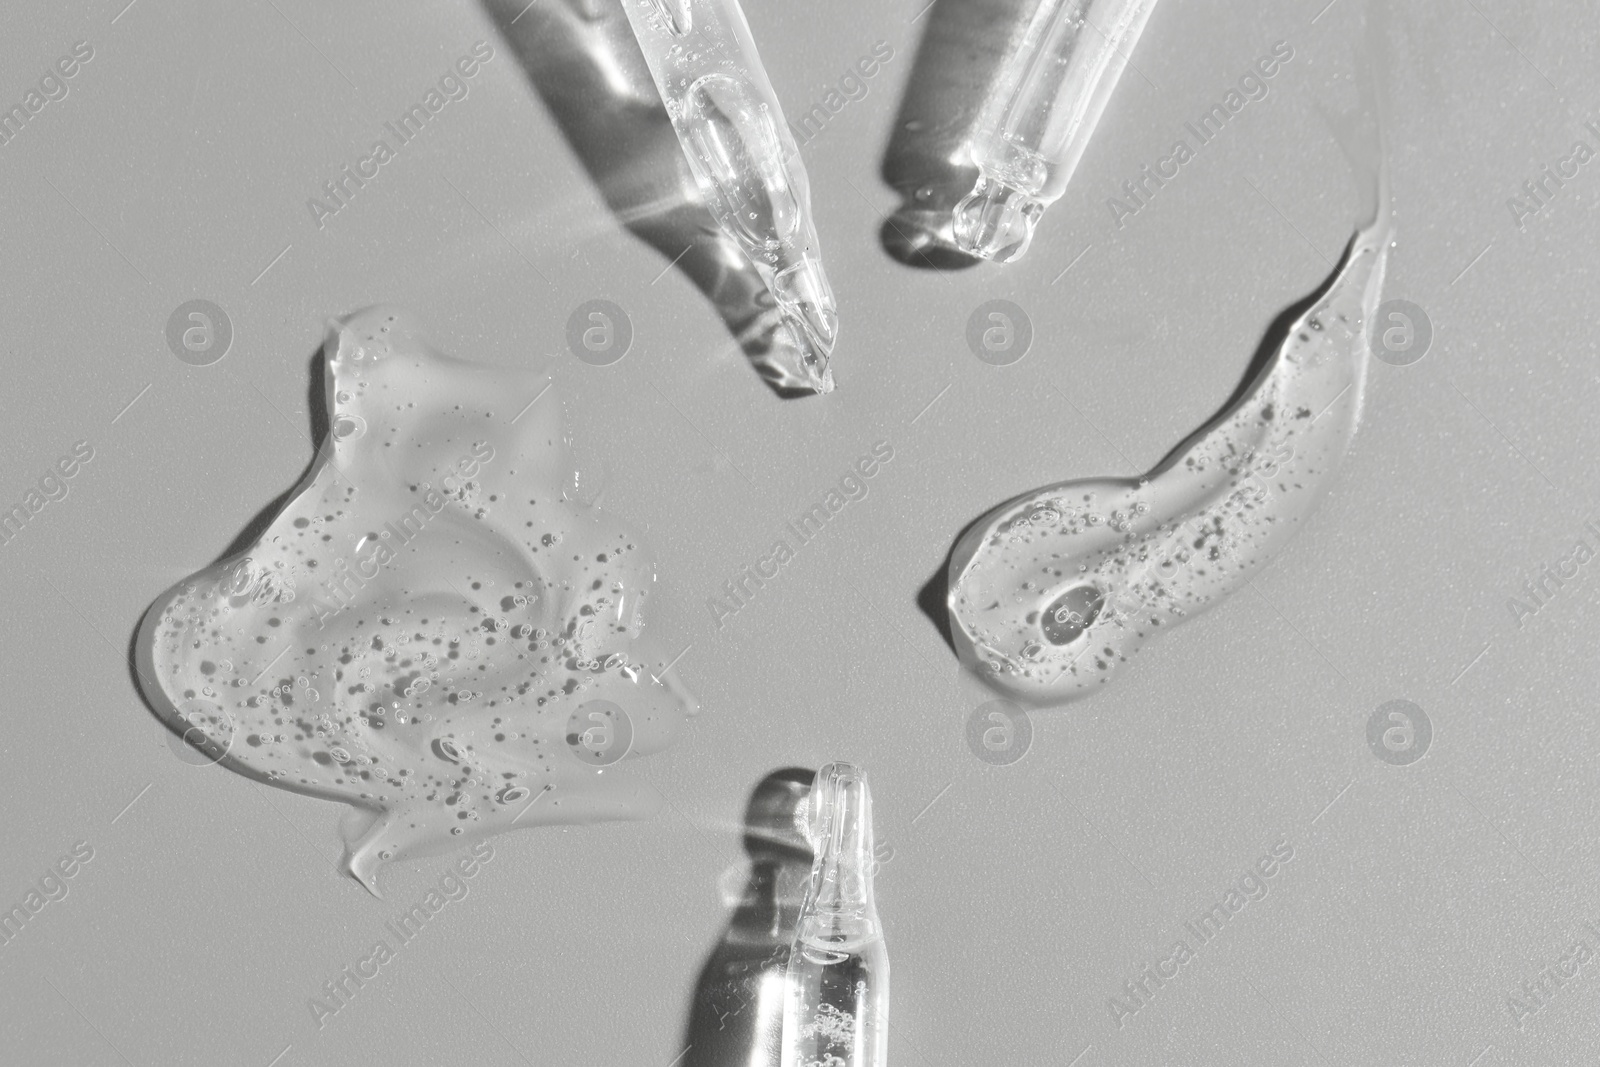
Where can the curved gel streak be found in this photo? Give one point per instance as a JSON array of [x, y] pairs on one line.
[[1051, 591], [431, 629]]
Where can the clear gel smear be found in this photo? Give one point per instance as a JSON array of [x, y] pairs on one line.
[[1050, 592], [433, 629]]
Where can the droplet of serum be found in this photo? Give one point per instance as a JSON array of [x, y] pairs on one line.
[[378, 637], [1052, 591]]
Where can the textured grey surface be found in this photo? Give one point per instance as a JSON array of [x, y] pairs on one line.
[[1018, 899]]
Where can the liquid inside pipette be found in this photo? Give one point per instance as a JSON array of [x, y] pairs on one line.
[[678, 15], [836, 1011], [588, 68], [744, 159], [1039, 116]]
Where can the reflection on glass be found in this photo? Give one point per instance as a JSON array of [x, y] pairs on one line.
[[1039, 115], [737, 1016], [733, 133], [836, 1010]]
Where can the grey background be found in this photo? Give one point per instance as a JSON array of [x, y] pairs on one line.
[[1018, 898]]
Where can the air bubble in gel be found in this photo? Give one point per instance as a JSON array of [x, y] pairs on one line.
[[415, 630]]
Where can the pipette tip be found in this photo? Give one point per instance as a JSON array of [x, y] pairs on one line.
[[806, 301], [809, 372], [995, 221], [803, 292], [836, 1006]]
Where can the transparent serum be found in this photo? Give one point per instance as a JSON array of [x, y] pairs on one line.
[[744, 159], [1050, 592], [836, 983], [1039, 115], [433, 629]]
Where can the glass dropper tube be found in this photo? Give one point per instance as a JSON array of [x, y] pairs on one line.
[[1039, 115], [836, 984], [744, 159]]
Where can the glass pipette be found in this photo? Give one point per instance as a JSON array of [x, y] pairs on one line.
[[744, 159], [1039, 115], [836, 1007]]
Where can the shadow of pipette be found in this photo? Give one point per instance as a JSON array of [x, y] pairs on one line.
[[582, 59], [964, 45], [736, 1019]]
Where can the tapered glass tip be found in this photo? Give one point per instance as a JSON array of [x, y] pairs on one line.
[[803, 292], [836, 1007], [839, 826], [995, 221]]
